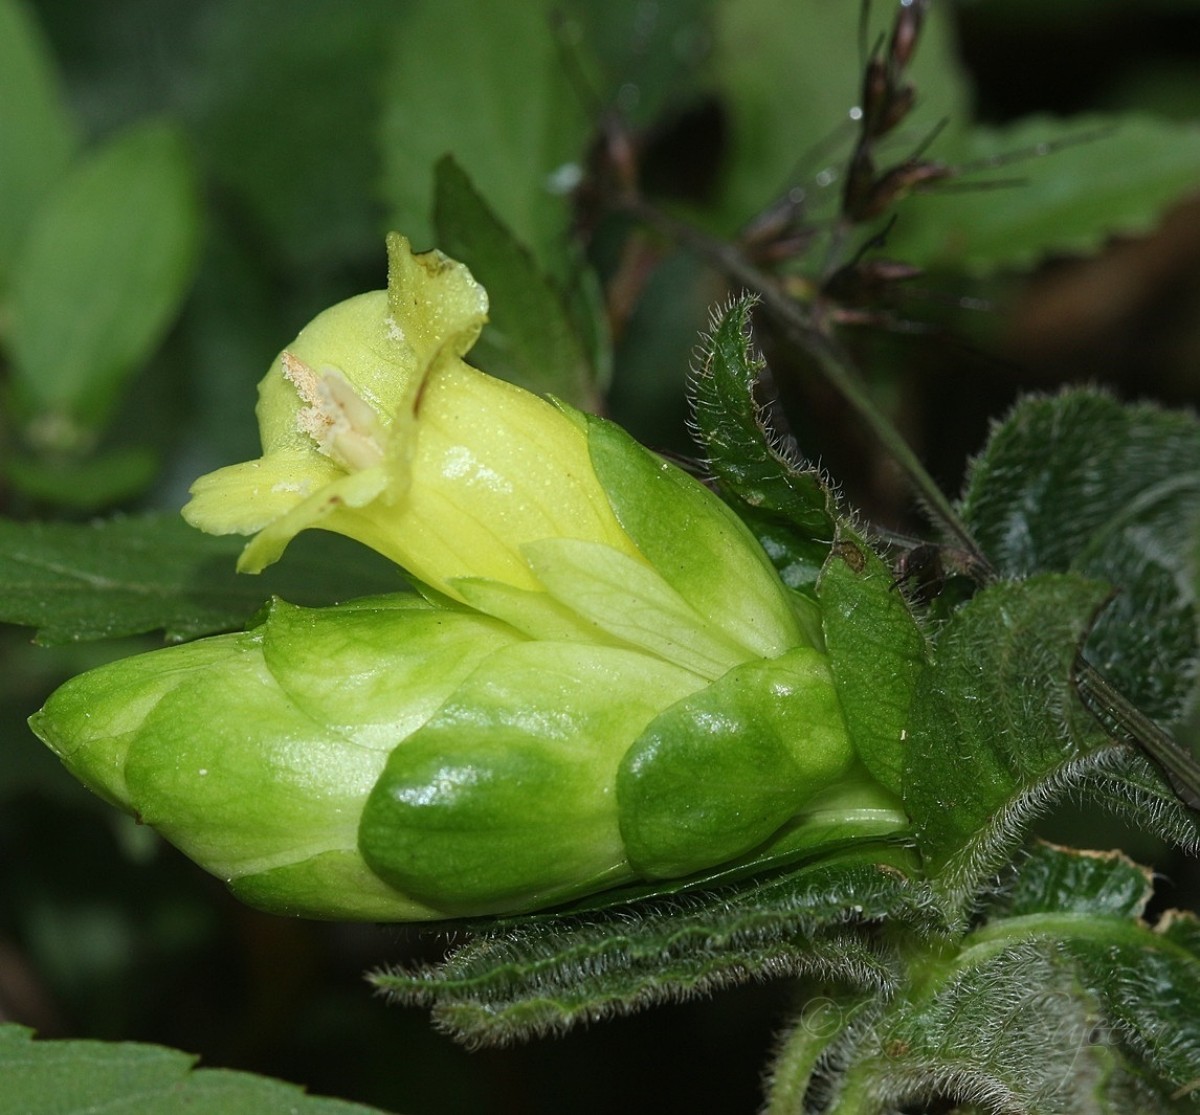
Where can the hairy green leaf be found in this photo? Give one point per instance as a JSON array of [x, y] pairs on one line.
[[76, 1077], [37, 136], [785, 501], [529, 339], [1080, 482], [1063, 477], [544, 975], [1008, 1030], [99, 276], [998, 733], [1062, 1001], [1068, 186], [130, 575]]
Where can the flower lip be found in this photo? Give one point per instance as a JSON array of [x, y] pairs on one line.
[[374, 427]]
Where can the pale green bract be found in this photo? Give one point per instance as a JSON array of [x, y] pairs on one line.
[[603, 680]]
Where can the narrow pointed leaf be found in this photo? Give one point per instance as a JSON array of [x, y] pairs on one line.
[[548, 974], [747, 457]]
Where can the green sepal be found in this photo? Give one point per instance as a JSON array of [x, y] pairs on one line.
[[876, 652], [93, 720], [253, 753], [748, 458], [625, 599], [695, 542], [505, 800], [377, 667], [717, 773]]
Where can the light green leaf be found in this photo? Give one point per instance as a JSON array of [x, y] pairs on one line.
[[124, 1078], [1111, 176], [452, 85], [793, 71], [37, 136], [126, 576], [92, 484], [98, 279], [529, 339]]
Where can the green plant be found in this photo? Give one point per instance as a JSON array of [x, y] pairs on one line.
[[709, 734]]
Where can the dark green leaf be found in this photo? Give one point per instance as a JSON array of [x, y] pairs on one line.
[[529, 339], [36, 134], [98, 279], [289, 129], [547, 974], [128, 576], [1049, 879], [77, 1077], [1113, 175], [1061, 476]]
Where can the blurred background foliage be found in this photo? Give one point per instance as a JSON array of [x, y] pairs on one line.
[[184, 184]]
